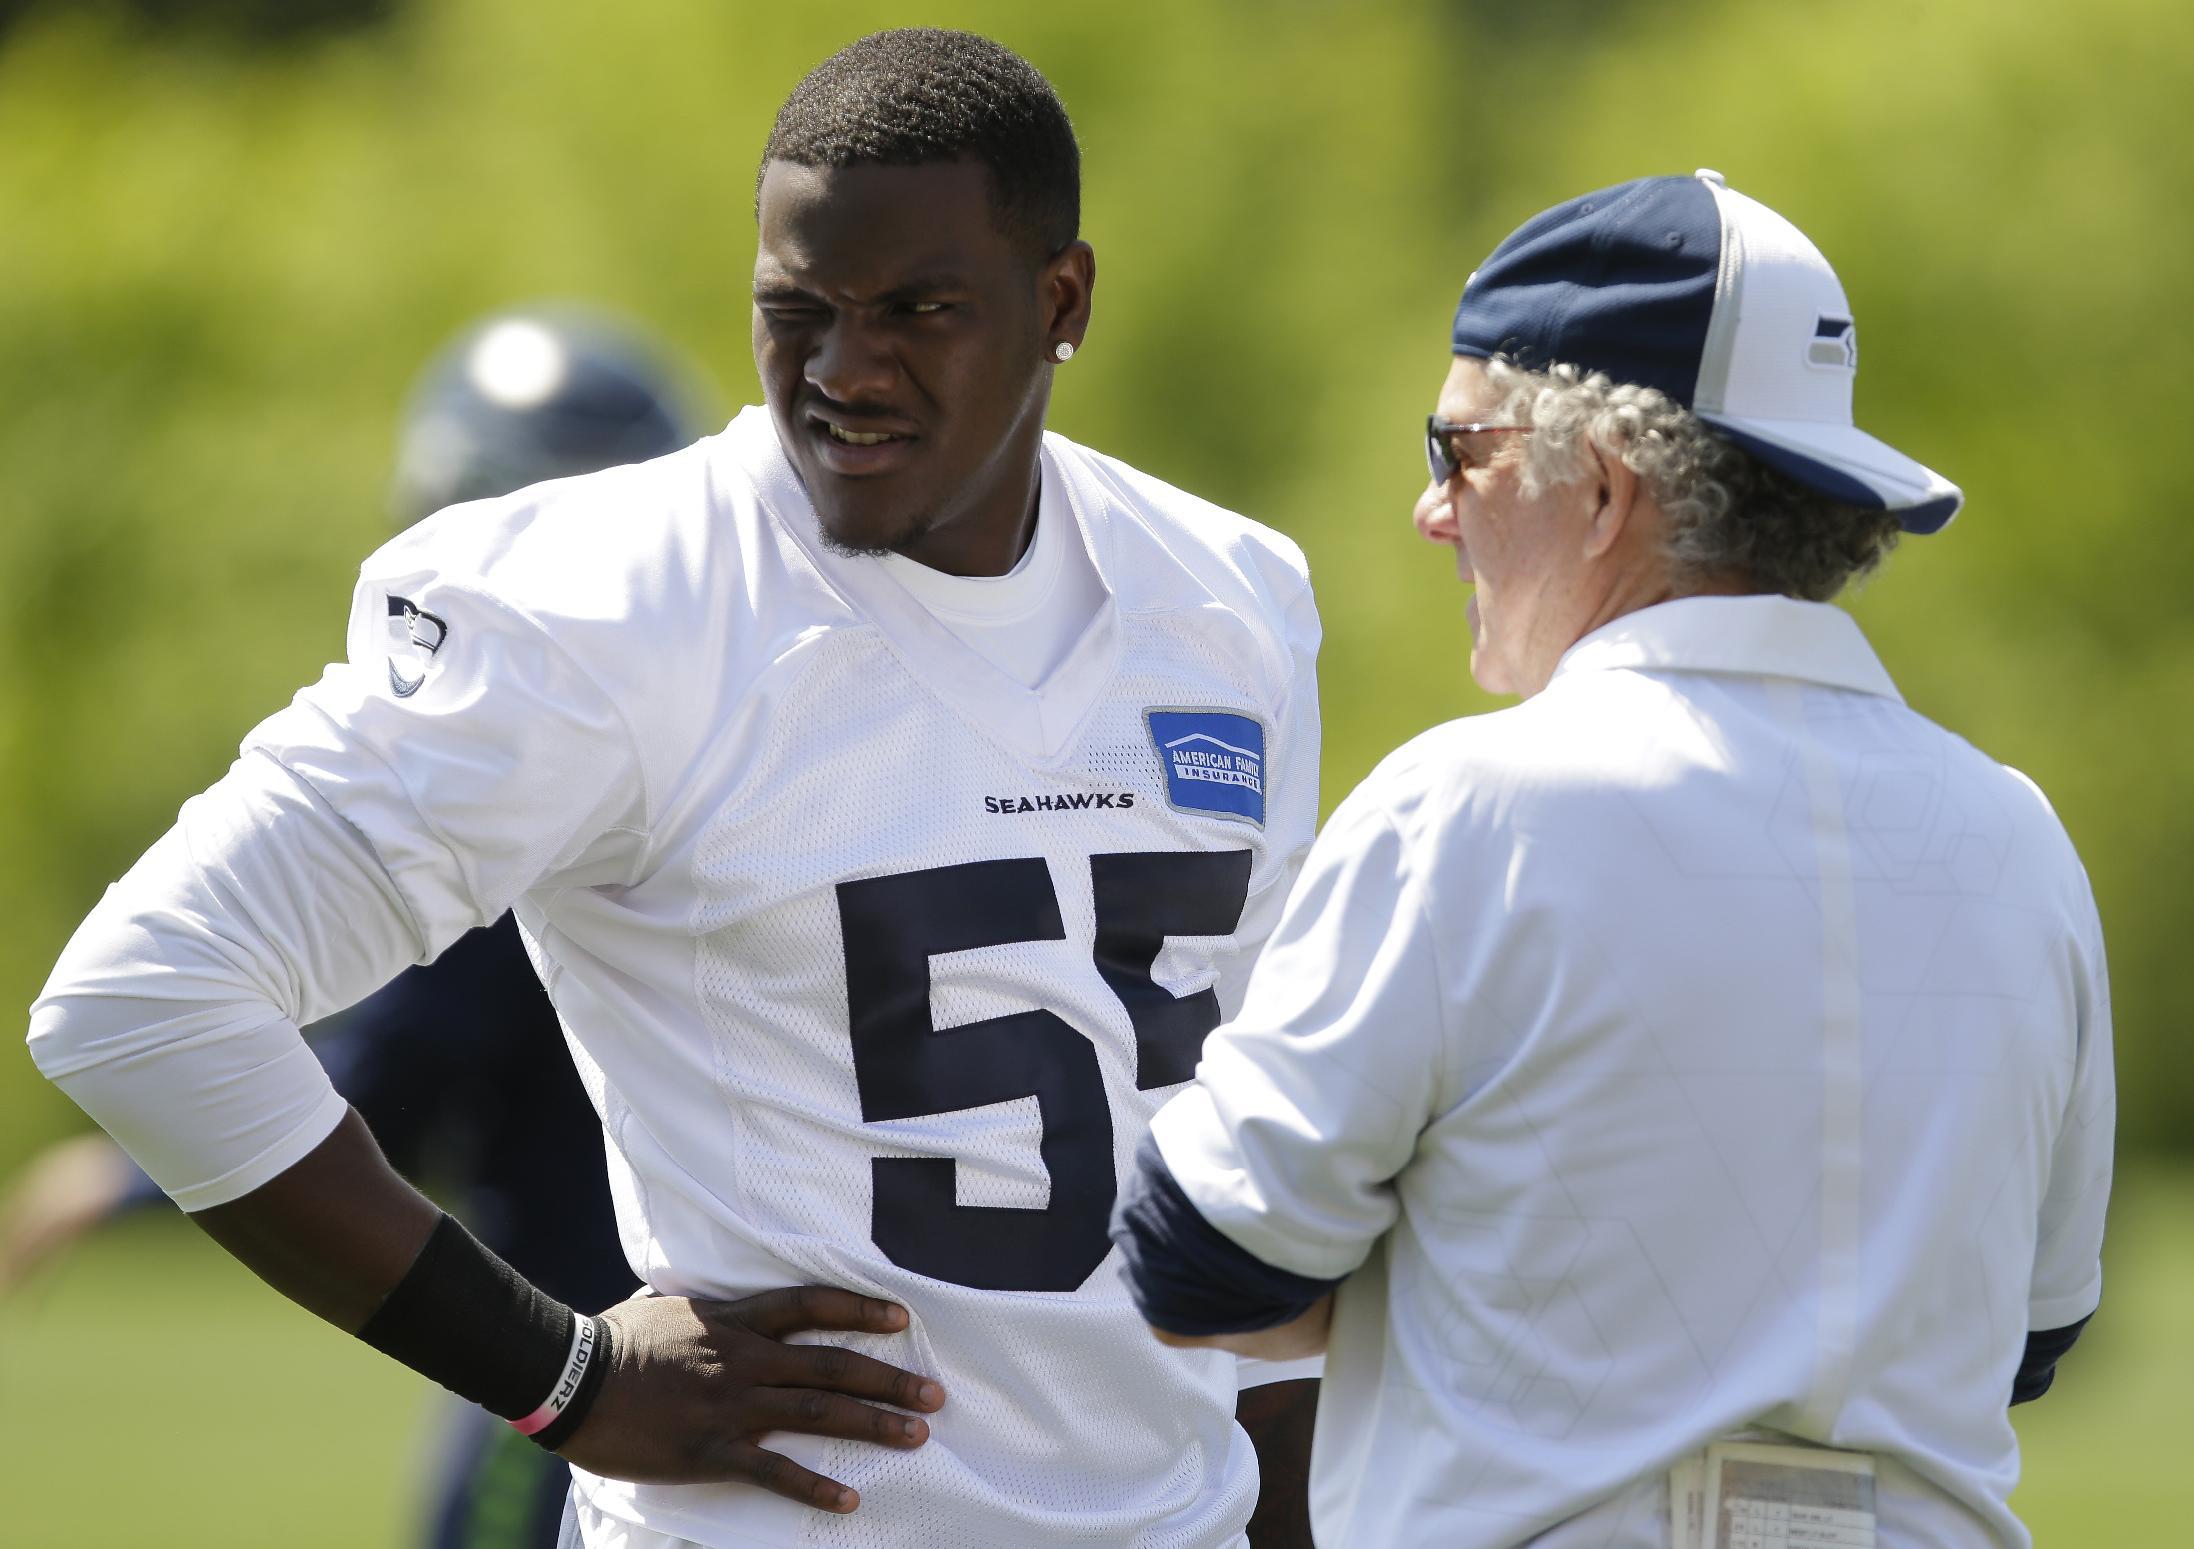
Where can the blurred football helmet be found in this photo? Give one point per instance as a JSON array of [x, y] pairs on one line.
[[532, 394]]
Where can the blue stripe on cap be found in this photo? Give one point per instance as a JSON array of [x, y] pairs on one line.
[[1838, 483], [1827, 478], [1620, 281], [1930, 515]]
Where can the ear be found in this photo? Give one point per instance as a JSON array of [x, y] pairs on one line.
[[1618, 495], [1063, 290]]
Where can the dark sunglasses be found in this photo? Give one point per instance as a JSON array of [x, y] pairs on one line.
[[1440, 443]]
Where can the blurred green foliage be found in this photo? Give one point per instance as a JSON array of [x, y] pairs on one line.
[[220, 264], [250, 23]]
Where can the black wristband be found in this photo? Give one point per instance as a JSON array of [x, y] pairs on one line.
[[472, 1323]]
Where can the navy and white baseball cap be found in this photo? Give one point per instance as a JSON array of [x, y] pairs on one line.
[[1686, 285]]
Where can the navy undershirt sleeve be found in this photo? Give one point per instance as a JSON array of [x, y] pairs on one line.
[[460, 1069], [2038, 1367], [1185, 1275]]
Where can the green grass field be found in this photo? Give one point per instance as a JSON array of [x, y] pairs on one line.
[[154, 1396]]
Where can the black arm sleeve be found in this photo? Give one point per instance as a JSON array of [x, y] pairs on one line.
[[2038, 1367]]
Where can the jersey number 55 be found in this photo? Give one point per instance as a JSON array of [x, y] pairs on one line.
[[906, 1067]]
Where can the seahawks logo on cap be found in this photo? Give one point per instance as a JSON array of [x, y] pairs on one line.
[[1835, 344], [414, 635]]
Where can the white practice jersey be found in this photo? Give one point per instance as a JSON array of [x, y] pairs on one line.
[[875, 961]]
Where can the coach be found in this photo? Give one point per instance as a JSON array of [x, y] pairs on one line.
[[1696, 1078]]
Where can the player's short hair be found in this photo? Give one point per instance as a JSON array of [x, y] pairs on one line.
[[924, 94], [1729, 514]]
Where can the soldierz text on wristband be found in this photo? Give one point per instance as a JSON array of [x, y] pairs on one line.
[[567, 1404]]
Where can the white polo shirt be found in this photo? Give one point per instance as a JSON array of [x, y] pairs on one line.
[[1707, 1042]]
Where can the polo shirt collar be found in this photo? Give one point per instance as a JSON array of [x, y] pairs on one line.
[[1758, 636]]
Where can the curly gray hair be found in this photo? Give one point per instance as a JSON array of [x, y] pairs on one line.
[[1730, 516]]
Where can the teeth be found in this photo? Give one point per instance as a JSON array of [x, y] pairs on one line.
[[855, 437]]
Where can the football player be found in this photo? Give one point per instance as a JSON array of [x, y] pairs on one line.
[[891, 795]]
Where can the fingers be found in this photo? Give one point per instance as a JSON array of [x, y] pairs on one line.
[[779, 1475], [774, 1314], [815, 1413], [839, 1370], [781, 1312], [696, 1383]]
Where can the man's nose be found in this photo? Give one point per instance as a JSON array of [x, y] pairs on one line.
[[1435, 514], [852, 364]]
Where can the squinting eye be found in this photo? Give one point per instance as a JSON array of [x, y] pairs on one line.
[[925, 308]]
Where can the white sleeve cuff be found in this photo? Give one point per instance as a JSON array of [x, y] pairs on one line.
[[278, 1158], [2050, 1312]]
